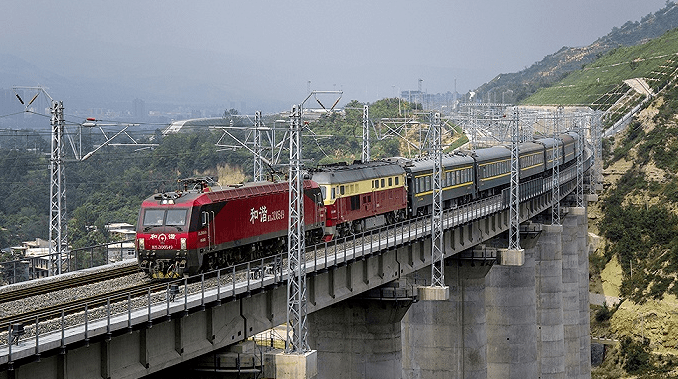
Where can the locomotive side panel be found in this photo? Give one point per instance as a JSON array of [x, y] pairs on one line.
[[361, 195], [218, 227]]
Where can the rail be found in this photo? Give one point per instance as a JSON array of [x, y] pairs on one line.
[[34, 267]]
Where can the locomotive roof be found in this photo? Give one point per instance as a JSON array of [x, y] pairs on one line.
[[223, 193], [355, 172]]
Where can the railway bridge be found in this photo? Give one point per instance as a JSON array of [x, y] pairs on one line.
[[514, 315]]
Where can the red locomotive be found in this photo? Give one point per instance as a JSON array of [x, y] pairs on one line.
[[197, 229]]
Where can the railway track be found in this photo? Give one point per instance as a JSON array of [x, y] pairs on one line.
[[56, 311], [76, 281]]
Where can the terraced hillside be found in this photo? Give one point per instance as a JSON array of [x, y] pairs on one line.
[[620, 80], [636, 259]]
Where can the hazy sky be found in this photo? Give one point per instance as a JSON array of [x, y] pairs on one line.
[[368, 49]]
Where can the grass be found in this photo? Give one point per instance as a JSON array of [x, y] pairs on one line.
[[602, 79]]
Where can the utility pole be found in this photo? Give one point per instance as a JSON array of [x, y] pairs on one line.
[[366, 134], [514, 230], [580, 160], [57, 190], [58, 241], [437, 291], [556, 159], [258, 166], [297, 329], [437, 251]]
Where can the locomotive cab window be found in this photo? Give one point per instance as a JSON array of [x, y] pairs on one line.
[[175, 217], [170, 217], [154, 217]]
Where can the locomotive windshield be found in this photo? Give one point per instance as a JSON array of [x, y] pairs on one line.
[[169, 217]]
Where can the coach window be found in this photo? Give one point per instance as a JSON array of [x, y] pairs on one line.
[[341, 190], [383, 183], [376, 183], [396, 180], [428, 183], [390, 182], [333, 193]]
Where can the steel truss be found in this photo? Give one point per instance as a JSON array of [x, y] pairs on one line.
[[57, 192], [365, 156], [437, 250], [297, 329], [514, 203], [555, 180]]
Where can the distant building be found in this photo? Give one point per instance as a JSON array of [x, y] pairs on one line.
[[34, 259], [123, 250], [195, 123], [139, 110]]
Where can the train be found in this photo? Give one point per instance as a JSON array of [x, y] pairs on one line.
[[201, 227]]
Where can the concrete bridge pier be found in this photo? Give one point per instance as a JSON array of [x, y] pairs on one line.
[[584, 305], [360, 337], [512, 320], [549, 286], [571, 293], [447, 339]]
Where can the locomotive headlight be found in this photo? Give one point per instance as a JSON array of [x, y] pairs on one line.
[[141, 244], [183, 244]]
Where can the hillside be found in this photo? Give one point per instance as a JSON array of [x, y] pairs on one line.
[[619, 80], [553, 68], [637, 218], [636, 256]]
